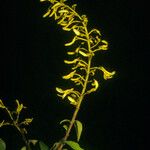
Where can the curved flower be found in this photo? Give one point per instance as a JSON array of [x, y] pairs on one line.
[[70, 75], [107, 74], [72, 100], [95, 86], [64, 93]]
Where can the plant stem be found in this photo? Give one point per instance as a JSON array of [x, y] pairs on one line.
[[82, 93], [15, 124]]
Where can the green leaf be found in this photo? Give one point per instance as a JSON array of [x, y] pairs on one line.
[[73, 145], [23, 148], [65, 127], [65, 120], [43, 146], [78, 127], [2, 145]]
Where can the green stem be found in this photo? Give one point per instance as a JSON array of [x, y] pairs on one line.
[[82, 93], [15, 124]]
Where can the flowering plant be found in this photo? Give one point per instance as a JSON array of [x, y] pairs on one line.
[[86, 43]]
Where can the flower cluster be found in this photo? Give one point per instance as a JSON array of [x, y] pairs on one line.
[[87, 44], [15, 117]]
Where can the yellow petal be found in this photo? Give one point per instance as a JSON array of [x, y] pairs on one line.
[[72, 42], [76, 32], [72, 101], [63, 11], [70, 75], [70, 53], [59, 90], [93, 89], [66, 92], [46, 14], [107, 74], [95, 84], [83, 54], [19, 106], [71, 62], [105, 46], [66, 29]]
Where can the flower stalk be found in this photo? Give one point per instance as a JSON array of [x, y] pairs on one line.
[[82, 72]]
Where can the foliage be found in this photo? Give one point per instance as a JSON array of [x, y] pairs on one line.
[[86, 43], [2, 145]]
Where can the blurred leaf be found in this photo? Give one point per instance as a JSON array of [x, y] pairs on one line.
[[43, 146], [64, 121], [65, 127], [78, 127], [73, 145], [23, 148], [2, 145]]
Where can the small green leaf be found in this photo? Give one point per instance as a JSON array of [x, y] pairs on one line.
[[65, 120], [23, 148], [43, 146], [2, 145], [78, 127], [73, 145], [65, 127]]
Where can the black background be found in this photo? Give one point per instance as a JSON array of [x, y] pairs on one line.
[[31, 65]]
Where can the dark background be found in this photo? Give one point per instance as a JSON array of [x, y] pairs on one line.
[[31, 65]]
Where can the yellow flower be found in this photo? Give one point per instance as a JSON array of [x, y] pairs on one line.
[[64, 93], [77, 32], [72, 101], [95, 85], [19, 107], [70, 75], [27, 121], [71, 61], [107, 74]]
